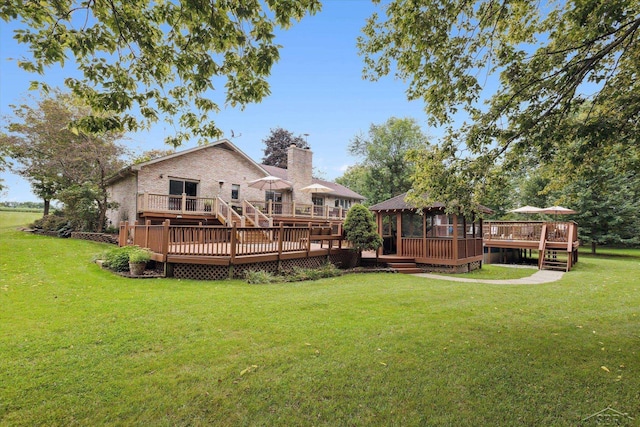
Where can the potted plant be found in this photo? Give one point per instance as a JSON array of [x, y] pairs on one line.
[[138, 259]]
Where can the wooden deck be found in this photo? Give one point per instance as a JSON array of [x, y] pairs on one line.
[[242, 213], [557, 242], [216, 245]]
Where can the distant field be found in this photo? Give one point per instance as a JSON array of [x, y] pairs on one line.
[[81, 346], [10, 218]]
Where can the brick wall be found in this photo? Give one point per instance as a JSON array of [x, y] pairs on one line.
[[299, 171]]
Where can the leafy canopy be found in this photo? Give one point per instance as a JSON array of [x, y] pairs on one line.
[[142, 61], [72, 167], [548, 58], [277, 144], [385, 169]]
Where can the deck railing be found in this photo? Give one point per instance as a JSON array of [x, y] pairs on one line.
[[216, 241], [441, 248], [299, 210], [183, 204], [556, 231]]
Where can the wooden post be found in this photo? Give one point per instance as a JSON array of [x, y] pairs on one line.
[[399, 233], [184, 203], [309, 239], [147, 224], [124, 233], [165, 240], [270, 208], [233, 242], [455, 237], [280, 239], [145, 201]]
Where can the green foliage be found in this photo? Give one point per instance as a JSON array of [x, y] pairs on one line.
[[80, 206], [61, 163], [142, 61], [55, 222], [296, 274], [361, 230], [117, 259], [384, 170], [549, 58], [259, 277], [355, 178], [139, 255], [277, 144]]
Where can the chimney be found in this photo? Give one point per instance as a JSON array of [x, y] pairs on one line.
[[299, 170]]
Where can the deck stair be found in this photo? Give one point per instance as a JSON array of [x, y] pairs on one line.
[[404, 265], [554, 260]]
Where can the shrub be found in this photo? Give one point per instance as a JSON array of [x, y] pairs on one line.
[[139, 254], [297, 274], [117, 259], [259, 277], [50, 223]]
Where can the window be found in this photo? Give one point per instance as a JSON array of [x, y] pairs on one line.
[[343, 203], [273, 196], [235, 191], [317, 201], [177, 187], [411, 225]]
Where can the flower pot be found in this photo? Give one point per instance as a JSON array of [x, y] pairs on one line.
[[137, 268]]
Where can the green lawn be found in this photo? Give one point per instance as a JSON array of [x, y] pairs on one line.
[[81, 346]]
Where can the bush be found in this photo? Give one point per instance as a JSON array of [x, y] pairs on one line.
[[51, 223], [117, 259], [139, 255], [258, 277], [297, 274]]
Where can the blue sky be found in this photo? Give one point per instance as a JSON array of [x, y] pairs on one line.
[[317, 89]]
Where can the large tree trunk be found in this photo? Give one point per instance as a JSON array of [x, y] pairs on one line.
[[102, 214], [47, 203], [593, 247]]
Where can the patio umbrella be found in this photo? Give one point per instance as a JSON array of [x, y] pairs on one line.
[[272, 182], [558, 210], [527, 210], [316, 188]]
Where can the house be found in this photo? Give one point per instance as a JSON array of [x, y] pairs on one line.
[[213, 185], [428, 236]]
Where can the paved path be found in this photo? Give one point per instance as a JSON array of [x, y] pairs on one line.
[[540, 276]]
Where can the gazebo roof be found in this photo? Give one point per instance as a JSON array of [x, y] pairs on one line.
[[399, 203]]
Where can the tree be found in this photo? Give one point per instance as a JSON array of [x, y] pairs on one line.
[[277, 144], [383, 156], [361, 230], [355, 178], [550, 58], [53, 158], [143, 60]]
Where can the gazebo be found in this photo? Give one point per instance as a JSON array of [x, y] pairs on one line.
[[428, 235]]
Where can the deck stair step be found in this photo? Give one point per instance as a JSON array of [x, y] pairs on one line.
[[554, 260], [404, 267]]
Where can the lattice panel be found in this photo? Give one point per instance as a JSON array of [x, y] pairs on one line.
[[269, 266], [342, 259], [313, 262], [200, 271]]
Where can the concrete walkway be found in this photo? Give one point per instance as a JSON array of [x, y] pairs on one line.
[[540, 276]]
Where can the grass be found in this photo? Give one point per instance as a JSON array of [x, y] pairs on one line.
[[495, 272], [79, 345]]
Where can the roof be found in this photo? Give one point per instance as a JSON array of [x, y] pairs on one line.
[[338, 190], [398, 203], [222, 143]]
